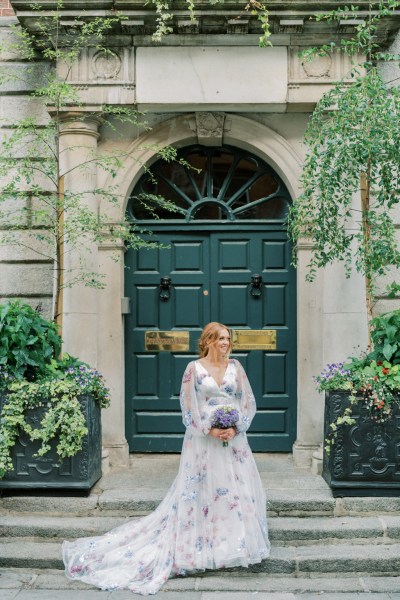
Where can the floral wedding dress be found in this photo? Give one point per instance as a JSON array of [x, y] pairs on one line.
[[213, 516]]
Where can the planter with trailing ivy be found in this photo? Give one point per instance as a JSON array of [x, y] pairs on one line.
[[362, 416], [50, 432], [31, 470], [362, 458], [50, 407]]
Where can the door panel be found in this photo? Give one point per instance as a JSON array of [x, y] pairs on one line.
[[275, 373], [233, 304], [146, 306], [188, 307], [187, 256], [233, 255], [211, 281], [274, 256], [147, 261], [274, 306], [153, 420], [272, 373], [146, 375], [273, 421]]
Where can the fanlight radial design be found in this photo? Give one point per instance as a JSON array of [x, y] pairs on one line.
[[211, 184]]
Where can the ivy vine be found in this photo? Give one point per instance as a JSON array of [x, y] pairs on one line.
[[62, 420]]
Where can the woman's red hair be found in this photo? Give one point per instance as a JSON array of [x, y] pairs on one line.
[[210, 335]]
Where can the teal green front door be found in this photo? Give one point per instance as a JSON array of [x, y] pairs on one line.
[[210, 279]]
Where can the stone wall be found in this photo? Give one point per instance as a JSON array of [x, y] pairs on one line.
[[25, 272]]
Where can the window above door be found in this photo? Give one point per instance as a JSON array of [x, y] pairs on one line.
[[211, 184]]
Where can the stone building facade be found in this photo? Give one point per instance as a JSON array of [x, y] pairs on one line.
[[205, 86]]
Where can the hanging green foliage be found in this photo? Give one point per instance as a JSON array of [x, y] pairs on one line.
[[353, 141], [354, 131]]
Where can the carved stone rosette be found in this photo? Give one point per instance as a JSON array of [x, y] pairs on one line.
[[103, 76]]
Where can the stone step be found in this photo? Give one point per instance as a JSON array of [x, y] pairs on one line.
[[34, 526], [122, 502], [127, 502], [301, 530], [283, 530], [295, 560], [138, 489], [46, 580]]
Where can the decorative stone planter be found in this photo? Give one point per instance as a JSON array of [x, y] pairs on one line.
[[365, 458], [79, 472]]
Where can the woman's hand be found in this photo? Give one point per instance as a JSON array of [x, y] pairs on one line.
[[215, 432], [223, 434]]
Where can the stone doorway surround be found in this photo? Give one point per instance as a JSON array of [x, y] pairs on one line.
[[107, 338]]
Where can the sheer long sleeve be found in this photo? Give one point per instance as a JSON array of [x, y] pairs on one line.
[[195, 417], [245, 396]]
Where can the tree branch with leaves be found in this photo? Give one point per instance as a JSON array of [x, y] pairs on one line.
[[353, 151], [37, 211]]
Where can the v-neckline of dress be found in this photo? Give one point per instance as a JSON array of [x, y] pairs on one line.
[[213, 378]]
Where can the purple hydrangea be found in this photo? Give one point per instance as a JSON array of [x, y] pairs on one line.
[[89, 381], [225, 417]]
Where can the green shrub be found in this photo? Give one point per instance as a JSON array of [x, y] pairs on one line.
[[34, 375], [385, 334], [28, 342]]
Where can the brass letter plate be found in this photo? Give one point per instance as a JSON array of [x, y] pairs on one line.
[[166, 341], [254, 339]]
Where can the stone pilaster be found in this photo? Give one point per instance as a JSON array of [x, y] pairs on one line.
[[111, 350], [78, 147], [310, 406]]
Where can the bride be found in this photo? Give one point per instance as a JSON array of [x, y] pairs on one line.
[[213, 515]]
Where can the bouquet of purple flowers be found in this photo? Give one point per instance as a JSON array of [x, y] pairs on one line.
[[225, 417]]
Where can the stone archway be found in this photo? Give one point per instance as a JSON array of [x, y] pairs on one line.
[[262, 141], [237, 131]]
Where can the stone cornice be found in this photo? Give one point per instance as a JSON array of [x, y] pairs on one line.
[[290, 21], [290, 6]]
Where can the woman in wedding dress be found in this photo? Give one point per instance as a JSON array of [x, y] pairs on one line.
[[213, 516]]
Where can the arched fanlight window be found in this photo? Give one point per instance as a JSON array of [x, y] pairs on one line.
[[224, 183]]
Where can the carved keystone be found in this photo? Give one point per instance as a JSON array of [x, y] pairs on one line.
[[210, 128]]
